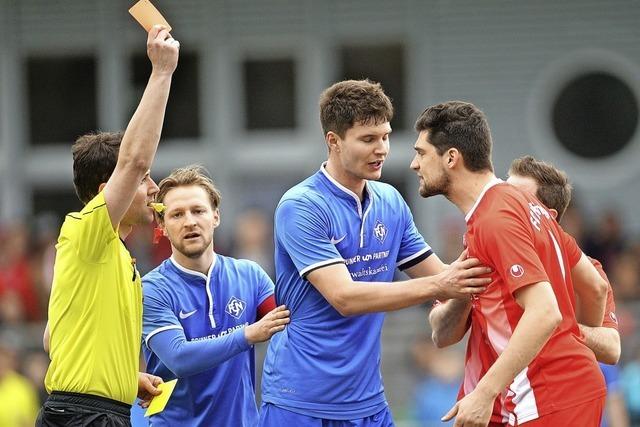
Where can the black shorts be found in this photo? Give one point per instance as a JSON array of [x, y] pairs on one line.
[[76, 410]]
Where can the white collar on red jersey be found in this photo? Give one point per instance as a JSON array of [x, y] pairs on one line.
[[494, 181]]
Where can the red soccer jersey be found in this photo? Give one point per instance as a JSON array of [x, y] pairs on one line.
[[512, 233]]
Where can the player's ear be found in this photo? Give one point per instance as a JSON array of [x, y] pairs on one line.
[[333, 141], [216, 217], [452, 156], [554, 213]]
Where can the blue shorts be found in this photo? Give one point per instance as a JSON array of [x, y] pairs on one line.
[[273, 416]]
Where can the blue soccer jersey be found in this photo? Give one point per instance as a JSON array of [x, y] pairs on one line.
[[205, 309], [323, 364]]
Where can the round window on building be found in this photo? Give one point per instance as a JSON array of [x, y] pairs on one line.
[[595, 115]]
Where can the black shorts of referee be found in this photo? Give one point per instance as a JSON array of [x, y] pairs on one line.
[[76, 410]]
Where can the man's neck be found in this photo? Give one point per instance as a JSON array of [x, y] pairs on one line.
[[352, 183], [200, 264], [466, 191], [124, 231]]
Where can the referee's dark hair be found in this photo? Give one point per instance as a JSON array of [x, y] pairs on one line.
[[94, 159]]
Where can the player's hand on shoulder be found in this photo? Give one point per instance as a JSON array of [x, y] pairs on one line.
[[462, 277], [272, 322], [162, 50]]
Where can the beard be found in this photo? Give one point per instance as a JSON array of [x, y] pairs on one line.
[[192, 250], [439, 186]]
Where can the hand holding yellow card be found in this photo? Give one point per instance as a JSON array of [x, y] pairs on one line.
[[148, 16], [160, 401]]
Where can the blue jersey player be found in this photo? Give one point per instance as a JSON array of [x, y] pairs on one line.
[[201, 313], [339, 237]]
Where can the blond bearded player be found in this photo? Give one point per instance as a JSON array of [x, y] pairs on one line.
[[203, 312]]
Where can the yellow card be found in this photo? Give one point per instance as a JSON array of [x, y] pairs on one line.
[[160, 401], [147, 15]]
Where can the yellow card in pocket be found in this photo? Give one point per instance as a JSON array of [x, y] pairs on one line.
[[160, 401]]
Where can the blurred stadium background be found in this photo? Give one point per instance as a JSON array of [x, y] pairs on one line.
[[558, 80]]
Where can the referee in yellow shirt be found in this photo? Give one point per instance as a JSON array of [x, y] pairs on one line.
[[95, 309]]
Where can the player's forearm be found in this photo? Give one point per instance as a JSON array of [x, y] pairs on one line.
[[370, 297], [334, 282], [591, 306], [532, 332], [591, 292], [449, 321], [604, 342], [142, 135], [185, 358]]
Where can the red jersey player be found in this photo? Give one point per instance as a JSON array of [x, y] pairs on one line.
[[551, 186], [524, 334]]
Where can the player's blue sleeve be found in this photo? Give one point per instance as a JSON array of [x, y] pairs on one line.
[[303, 231], [185, 358], [413, 248], [611, 377], [157, 312], [266, 287]]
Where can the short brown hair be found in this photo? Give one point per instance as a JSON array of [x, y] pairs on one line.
[[350, 101], [554, 188], [94, 158], [461, 125], [186, 176]]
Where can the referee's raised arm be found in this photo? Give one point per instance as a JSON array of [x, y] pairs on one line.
[[142, 135]]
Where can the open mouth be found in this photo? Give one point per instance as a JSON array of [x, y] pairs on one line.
[[191, 236], [377, 164]]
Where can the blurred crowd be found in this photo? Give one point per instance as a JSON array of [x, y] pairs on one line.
[[27, 251]]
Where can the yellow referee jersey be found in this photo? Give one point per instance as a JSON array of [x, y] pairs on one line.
[[95, 309]]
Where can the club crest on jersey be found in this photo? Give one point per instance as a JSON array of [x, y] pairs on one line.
[[380, 231], [235, 307], [516, 270]]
